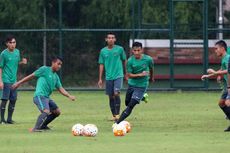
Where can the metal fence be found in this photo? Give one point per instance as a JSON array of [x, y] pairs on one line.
[[80, 48]]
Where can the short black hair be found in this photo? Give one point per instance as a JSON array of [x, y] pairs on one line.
[[137, 44], [55, 58], [9, 38], [221, 43], [110, 33]]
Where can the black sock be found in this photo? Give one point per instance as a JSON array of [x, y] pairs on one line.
[[112, 104], [49, 119], [226, 111], [3, 108], [128, 110], [11, 109], [40, 121], [117, 105]]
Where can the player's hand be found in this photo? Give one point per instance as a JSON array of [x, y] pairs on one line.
[[152, 80], [100, 83], [24, 61], [203, 77], [15, 85], [1, 85], [210, 71], [219, 78], [72, 98], [144, 73]]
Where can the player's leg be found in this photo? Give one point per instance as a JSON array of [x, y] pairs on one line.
[[54, 112], [109, 91], [223, 104], [43, 105], [117, 100], [5, 97], [226, 110], [11, 107], [128, 95], [136, 97]]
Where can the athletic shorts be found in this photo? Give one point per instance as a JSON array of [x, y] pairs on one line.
[[8, 93], [113, 86], [45, 103], [136, 93]]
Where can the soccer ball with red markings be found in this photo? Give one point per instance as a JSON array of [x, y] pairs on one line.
[[77, 129], [127, 126], [90, 130], [119, 130]]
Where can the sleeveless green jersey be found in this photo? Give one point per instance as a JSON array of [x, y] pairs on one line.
[[112, 61], [47, 81], [136, 66], [9, 63]]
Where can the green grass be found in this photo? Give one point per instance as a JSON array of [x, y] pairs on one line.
[[189, 122]]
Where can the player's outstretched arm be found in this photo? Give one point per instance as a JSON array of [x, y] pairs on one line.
[[25, 79], [65, 93]]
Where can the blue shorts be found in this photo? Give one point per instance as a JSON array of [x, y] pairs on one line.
[[113, 86], [45, 103], [136, 93], [8, 93]]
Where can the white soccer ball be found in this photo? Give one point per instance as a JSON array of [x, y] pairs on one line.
[[90, 130], [119, 130], [127, 126], [77, 129]]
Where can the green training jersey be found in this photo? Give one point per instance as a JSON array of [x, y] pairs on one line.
[[47, 81], [224, 66], [9, 64], [136, 66], [112, 61]]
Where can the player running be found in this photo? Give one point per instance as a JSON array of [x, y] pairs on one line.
[[220, 49], [140, 72]]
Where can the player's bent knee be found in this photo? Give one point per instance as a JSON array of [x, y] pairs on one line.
[[116, 93], [56, 112], [221, 103]]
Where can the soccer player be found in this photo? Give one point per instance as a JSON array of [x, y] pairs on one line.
[[220, 49], [9, 61], [140, 72], [112, 58], [47, 81]]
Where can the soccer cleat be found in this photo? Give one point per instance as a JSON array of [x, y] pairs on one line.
[[35, 130], [10, 122], [114, 118], [227, 129], [114, 124], [3, 122], [145, 98]]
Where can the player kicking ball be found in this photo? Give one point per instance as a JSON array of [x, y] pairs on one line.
[[48, 80], [140, 71]]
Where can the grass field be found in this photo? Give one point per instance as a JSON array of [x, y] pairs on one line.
[[173, 122]]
